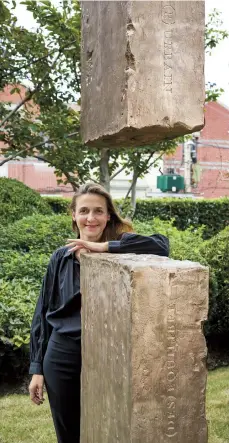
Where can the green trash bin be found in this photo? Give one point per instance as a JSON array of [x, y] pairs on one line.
[[171, 182]]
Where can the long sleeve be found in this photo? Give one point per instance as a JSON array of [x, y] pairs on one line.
[[40, 329], [156, 244]]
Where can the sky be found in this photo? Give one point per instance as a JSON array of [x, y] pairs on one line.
[[216, 65]]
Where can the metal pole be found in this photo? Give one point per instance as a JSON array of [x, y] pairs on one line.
[[187, 166]]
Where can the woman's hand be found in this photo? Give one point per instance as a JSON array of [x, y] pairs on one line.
[[79, 251], [36, 389], [75, 244]]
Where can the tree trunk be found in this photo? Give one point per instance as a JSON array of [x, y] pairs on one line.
[[104, 178], [133, 190]]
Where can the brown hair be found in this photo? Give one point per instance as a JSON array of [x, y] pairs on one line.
[[116, 225]]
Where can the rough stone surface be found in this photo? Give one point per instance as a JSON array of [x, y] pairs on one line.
[[143, 373], [142, 71]]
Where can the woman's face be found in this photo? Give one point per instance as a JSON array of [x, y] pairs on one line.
[[91, 216]]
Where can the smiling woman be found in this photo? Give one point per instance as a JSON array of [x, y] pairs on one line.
[[56, 327], [94, 215]]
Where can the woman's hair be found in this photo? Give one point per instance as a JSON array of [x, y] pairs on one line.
[[116, 225]]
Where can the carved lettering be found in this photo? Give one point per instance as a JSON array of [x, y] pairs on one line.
[[168, 14], [171, 373], [168, 18]]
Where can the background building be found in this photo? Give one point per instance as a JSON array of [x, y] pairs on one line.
[[210, 170]]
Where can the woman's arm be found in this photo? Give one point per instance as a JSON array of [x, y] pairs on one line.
[[40, 329], [156, 244], [40, 333]]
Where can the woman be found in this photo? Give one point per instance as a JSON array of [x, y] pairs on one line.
[[56, 326]]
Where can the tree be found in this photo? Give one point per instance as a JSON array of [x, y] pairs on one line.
[[43, 125], [48, 60], [214, 34]]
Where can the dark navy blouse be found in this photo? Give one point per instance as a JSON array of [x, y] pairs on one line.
[[59, 304]]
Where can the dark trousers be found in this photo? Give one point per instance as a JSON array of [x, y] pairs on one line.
[[62, 367]]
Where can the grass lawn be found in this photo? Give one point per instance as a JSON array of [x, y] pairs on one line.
[[218, 406], [22, 422]]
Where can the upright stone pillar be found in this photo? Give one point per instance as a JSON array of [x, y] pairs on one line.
[[143, 373], [142, 71]]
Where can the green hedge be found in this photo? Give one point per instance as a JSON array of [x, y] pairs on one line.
[[25, 249], [213, 214], [216, 255], [18, 201], [36, 233], [59, 205], [18, 298], [27, 244]]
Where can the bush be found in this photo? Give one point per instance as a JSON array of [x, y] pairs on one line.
[[17, 301], [216, 253], [59, 205], [27, 244], [184, 245], [16, 265], [213, 214], [18, 201], [36, 233]]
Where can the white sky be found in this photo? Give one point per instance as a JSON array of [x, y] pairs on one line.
[[217, 65]]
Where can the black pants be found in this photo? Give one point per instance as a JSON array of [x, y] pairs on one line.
[[62, 367]]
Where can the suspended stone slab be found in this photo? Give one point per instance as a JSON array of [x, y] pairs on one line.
[[142, 71]]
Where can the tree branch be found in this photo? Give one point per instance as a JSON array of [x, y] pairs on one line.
[[118, 172], [156, 159], [136, 175], [71, 178], [41, 58], [6, 160], [37, 145], [30, 95]]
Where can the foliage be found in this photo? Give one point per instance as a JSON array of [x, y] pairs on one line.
[[212, 214], [47, 61], [59, 205], [216, 253], [26, 245], [18, 200], [184, 245], [214, 33], [17, 301], [19, 265], [37, 233]]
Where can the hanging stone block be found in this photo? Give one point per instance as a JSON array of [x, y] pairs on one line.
[[142, 71]]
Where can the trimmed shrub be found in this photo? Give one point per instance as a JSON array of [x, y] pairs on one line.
[[27, 244], [16, 265], [184, 245], [59, 205], [18, 201], [36, 233], [213, 214], [216, 254], [17, 301]]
